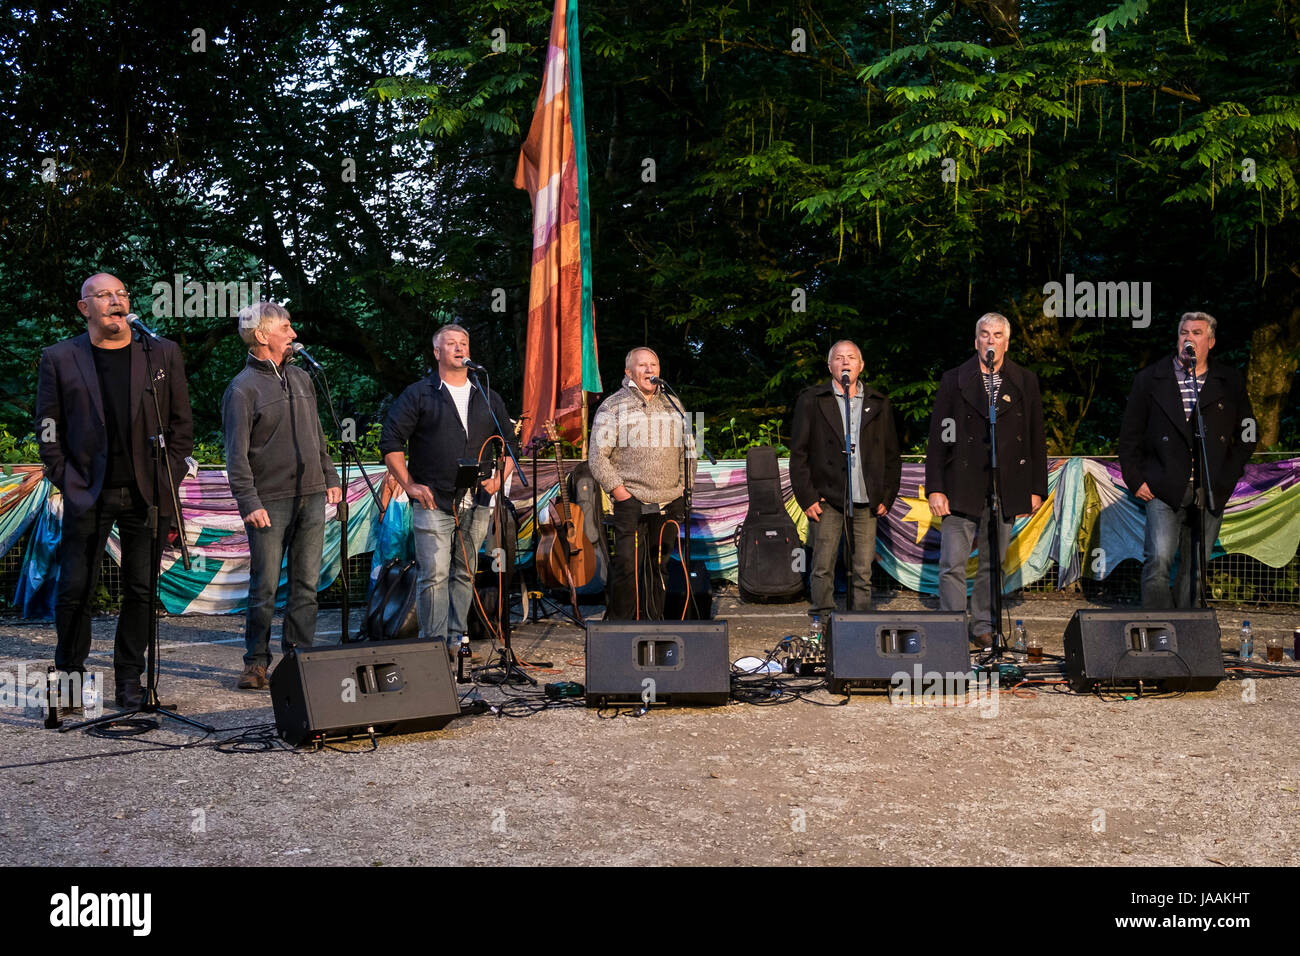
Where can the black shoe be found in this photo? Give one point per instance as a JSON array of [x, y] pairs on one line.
[[130, 695]]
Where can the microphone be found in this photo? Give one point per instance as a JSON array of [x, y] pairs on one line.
[[472, 366], [844, 380], [656, 380], [1189, 353], [298, 349], [133, 320], [988, 360]]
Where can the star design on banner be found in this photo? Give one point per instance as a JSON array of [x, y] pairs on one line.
[[918, 510]]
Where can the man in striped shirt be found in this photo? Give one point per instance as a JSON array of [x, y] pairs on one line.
[[1155, 454]]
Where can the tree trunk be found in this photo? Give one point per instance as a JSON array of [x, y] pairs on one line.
[[1274, 358]]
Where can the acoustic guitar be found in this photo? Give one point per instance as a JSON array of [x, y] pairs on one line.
[[565, 558]]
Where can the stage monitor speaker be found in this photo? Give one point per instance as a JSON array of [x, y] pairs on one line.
[[871, 647], [667, 662], [701, 603], [1177, 650], [396, 687]]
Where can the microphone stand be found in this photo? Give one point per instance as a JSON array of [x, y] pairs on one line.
[[158, 442], [687, 489], [994, 528], [509, 663], [348, 449], [848, 492], [1202, 492]]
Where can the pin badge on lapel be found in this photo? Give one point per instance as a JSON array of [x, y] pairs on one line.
[[159, 375], [1006, 398]]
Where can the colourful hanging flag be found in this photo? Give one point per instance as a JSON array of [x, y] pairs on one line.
[[560, 365]]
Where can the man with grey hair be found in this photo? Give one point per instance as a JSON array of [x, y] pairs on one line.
[[445, 419], [643, 455], [820, 476], [1156, 457], [281, 477], [958, 468], [95, 423]]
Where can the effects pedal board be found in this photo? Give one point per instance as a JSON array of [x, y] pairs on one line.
[[806, 658]]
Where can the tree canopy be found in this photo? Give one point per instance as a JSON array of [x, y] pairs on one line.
[[764, 179]]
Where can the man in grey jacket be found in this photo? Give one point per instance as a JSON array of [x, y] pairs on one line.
[[281, 477], [643, 455]]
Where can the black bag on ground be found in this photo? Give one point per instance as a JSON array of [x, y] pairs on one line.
[[391, 614], [767, 542]]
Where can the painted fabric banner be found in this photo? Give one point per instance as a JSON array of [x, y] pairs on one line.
[[1087, 526], [560, 361]]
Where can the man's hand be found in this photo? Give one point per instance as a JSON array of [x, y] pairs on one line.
[[421, 494], [1035, 502], [814, 511], [333, 495], [1145, 493], [258, 519], [938, 504], [491, 485], [621, 493], [881, 511]]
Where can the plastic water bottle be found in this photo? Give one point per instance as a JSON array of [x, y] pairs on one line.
[[1247, 649], [1021, 648], [89, 694], [815, 629]]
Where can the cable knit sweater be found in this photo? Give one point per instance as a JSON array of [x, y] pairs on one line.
[[637, 442]]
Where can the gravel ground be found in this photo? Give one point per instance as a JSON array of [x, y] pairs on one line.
[[1036, 776]]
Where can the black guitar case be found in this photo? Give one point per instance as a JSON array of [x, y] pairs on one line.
[[767, 542]]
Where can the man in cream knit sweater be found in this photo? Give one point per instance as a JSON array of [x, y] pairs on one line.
[[643, 455]]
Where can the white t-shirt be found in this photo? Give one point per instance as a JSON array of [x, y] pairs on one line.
[[460, 395]]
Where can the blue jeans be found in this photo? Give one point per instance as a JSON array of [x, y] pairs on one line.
[[1169, 532], [297, 527], [826, 536], [447, 560], [956, 534]]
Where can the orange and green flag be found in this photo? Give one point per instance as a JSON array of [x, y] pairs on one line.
[[560, 365]]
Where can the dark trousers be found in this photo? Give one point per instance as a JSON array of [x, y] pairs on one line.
[[827, 533], [636, 587], [81, 549]]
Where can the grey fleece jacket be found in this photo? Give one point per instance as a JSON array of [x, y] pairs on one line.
[[637, 442], [275, 448]]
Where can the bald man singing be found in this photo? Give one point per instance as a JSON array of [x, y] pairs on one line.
[[94, 423]]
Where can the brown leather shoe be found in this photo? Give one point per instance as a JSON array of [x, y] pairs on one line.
[[253, 677], [983, 641]]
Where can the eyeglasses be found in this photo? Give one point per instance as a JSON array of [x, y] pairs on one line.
[[105, 296]]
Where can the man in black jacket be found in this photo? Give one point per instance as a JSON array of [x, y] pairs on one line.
[[280, 473], [1155, 455], [818, 472], [958, 473], [94, 422], [445, 418]]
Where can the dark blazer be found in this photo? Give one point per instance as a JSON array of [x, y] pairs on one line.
[[957, 458], [71, 430], [425, 416], [817, 448], [1155, 438]]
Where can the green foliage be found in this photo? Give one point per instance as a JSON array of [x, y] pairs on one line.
[[766, 433], [18, 450], [904, 172]]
